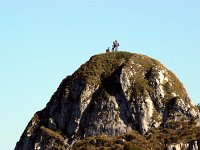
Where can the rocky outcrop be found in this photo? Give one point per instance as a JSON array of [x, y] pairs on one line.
[[193, 145], [111, 94]]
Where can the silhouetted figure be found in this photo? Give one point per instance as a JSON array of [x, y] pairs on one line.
[[107, 50], [113, 46], [116, 45]]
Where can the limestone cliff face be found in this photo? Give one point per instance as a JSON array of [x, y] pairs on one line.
[[111, 94]]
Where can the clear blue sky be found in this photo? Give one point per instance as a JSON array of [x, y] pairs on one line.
[[43, 41]]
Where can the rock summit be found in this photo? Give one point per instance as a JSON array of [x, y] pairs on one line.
[[116, 100]]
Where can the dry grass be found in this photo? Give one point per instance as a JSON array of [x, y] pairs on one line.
[[54, 134]]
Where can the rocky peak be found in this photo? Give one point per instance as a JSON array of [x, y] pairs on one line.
[[111, 94]]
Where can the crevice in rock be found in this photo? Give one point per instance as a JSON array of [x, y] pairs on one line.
[[110, 86]]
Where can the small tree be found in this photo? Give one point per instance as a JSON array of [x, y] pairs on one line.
[[198, 106]]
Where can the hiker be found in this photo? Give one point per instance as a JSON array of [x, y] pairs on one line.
[[113, 46], [108, 50], [116, 44]]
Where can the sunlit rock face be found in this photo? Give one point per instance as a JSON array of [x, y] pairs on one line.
[[111, 94]]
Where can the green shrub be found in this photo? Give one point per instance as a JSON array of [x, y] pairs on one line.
[[131, 146], [198, 106]]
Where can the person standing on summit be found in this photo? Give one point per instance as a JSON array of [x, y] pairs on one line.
[[116, 45], [113, 46]]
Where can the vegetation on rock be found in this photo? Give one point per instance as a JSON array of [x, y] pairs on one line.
[[198, 106], [156, 139], [102, 66]]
